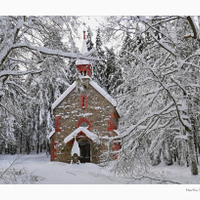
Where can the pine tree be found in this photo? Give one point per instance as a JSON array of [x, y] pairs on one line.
[[113, 73], [89, 42], [99, 65]]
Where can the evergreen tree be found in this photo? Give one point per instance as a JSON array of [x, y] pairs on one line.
[[113, 73], [99, 65], [89, 42]]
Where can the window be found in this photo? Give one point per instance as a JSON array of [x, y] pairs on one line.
[[83, 101], [85, 73], [84, 124]]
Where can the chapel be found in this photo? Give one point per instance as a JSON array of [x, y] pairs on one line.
[[85, 119]]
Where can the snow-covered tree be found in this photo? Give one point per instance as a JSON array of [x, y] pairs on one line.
[[167, 91], [112, 72], [99, 65], [89, 42], [32, 51]]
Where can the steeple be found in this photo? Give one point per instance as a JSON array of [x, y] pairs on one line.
[[84, 66]]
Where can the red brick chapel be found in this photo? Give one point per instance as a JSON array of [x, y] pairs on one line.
[[85, 119]]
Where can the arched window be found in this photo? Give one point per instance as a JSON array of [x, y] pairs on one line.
[[85, 73], [83, 101], [84, 122]]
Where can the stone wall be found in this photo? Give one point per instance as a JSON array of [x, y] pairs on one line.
[[69, 112]]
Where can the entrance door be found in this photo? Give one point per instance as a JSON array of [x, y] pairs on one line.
[[84, 146]]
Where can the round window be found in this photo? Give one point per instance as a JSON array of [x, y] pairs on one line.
[[84, 124]]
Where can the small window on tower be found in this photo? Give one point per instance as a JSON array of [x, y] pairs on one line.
[[85, 73], [82, 73]]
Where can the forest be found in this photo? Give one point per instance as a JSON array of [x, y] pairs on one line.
[[149, 64]]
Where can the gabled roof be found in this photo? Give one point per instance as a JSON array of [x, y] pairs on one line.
[[93, 84], [103, 92], [88, 133], [69, 89]]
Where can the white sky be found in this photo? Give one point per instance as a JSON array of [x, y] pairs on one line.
[[92, 22], [103, 7]]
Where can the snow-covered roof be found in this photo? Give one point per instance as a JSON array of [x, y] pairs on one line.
[[103, 92], [82, 62], [58, 101], [117, 132], [51, 133], [88, 133], [93, 84], [84, 51]]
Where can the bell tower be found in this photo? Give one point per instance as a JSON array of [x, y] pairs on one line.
[[84, 66]]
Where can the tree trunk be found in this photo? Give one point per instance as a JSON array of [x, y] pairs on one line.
[[192, 154], [166, 153], [181, 152], [41, 148], [196, 138], [38, 143], [155, 157], [20, 150], [38, 148]]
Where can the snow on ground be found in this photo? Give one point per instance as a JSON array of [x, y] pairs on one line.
[[60, 179], [88, 173]]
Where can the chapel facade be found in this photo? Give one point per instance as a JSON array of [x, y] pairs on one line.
[[85, 119]]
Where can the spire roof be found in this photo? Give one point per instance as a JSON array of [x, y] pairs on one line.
[[83, 52]]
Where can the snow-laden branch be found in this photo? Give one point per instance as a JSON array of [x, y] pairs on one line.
[[164, 46], [179, 85], [18, 73], [142, 121], [58, 52], [195, 28], [9, 111], [184, 123], [5, 52]]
